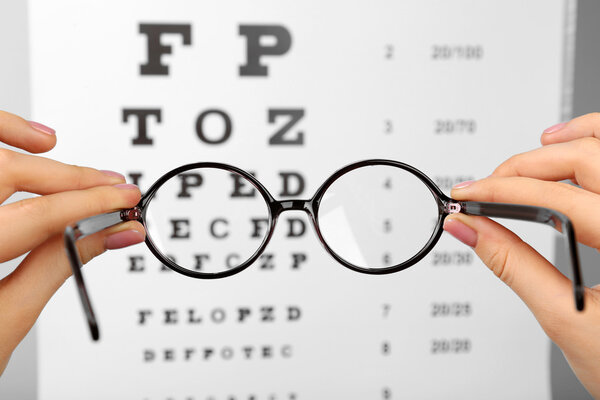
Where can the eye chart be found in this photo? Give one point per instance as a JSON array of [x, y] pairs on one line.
[[292, 92]]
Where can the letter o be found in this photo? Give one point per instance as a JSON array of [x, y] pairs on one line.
[[226, 131]]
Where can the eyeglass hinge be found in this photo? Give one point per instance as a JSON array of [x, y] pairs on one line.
[[453, 208], [132, 214]]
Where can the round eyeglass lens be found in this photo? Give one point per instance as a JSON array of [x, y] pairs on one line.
[[208, 220], [377, 216]]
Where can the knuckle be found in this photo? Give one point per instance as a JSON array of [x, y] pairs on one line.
[[85, 177], [492, 192], [103, 199], [594, 117], [589, 118], [33, 206], [588, 146], [509, 166], [502, 169], [499, 260], [587, 123], [496, 261], [37, 209], [108, 198], [563, 190], [79, 174], [562, 194]]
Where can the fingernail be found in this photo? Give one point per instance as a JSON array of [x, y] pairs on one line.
[[112, 174], [42, 128], [555, 128], [123, 239], [462, 232], [127, 186], [462, 185]]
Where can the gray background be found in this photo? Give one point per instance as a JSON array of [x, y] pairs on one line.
[[586, 99], [20, 377]]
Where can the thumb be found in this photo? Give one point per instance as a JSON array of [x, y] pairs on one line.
[[545, 290]]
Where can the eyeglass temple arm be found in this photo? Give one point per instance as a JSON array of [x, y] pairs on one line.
[[83, 228], [536, 214]]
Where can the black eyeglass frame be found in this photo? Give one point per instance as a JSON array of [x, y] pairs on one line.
[[446, 206]]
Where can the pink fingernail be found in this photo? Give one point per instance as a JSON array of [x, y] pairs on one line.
[[42, 128], [462, 232], [127, 186], [112, 174], [123, 239], [462, 185], [555, 128]]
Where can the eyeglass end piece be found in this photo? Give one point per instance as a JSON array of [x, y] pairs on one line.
[[579, 303], [95, 332]]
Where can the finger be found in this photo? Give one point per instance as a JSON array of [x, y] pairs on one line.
[[27, 135], [576, 160], [572, 201], [587, 125], [546, 291], [34, 174], [33, 221], [513, 261], [25, 292], [542, 287]]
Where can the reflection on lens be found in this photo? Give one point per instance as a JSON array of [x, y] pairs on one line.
[[208, 220], [377, 216]]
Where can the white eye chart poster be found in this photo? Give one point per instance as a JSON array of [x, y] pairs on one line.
[[293, 91]]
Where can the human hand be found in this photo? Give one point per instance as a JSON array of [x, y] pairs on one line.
[[36, 225], [570, 151]]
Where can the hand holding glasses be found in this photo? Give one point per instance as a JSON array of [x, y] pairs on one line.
[[372, 216]]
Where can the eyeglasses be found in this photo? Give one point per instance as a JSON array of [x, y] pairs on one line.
[[372, 216]]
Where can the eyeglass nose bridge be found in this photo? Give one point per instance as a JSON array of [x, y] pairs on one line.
[[293, 205]]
